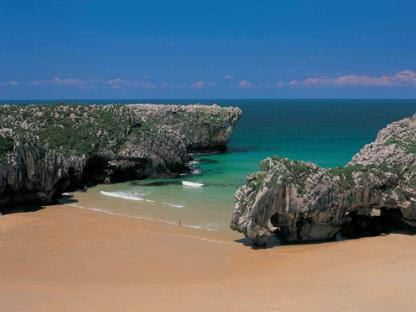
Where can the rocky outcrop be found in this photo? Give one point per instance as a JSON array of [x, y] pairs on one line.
[[203, 128], [300, 202], [45, 150]]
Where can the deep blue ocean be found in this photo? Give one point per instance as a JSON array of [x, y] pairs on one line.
[[327, 132]]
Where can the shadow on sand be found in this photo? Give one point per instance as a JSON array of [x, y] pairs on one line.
[[31, 207], [274, 241]]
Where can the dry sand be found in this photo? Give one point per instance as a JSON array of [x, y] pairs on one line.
[[63, 258]]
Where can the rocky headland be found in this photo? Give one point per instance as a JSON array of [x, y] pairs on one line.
[[46, 150], [302, 202]]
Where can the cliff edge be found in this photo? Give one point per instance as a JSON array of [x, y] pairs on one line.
[[301, 202], [45, 150]]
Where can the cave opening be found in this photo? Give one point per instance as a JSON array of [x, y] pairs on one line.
[[274, 220], [385, 220], [93, 172], [381, 221]]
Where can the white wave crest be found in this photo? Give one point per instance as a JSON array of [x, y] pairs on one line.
[[174, 205], [193, 162], [192, 184], [123, 195]]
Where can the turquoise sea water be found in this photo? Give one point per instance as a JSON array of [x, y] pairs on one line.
[[327, 132]]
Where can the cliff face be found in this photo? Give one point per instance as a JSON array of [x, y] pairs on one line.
[[45, 150], [299, 201], [204, 128]]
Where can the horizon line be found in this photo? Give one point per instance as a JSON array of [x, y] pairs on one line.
[[204, 98]]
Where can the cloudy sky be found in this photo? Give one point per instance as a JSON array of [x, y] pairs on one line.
[[207, 49]]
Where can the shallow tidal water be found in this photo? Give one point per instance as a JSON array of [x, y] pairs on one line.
[[327, 132]]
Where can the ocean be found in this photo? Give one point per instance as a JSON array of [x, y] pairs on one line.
[[326, 132]]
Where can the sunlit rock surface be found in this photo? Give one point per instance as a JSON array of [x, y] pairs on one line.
[[300, 202], [45, 150]]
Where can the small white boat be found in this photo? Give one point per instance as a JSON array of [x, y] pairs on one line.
[[192, 184]]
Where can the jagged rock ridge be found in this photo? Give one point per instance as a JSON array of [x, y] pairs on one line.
[[300, 202], [45, 150]]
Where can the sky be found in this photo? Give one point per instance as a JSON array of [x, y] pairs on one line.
[[207, 49]]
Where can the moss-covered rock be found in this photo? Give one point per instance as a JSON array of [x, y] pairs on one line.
[[299, 201], [46, 149]]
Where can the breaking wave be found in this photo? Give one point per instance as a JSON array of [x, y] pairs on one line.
[[192, 184], [123, 195]]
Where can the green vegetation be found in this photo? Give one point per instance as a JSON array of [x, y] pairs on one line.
[[299, 168], [412, 182], [379, 170], [346, 172], [298, 171], [406, 145], [143, 127], [26, 114], [6, 146], [70, 129], [83, 133], [258, 182], [70, 141]]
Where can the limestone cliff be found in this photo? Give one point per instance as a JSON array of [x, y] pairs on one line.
[[45, 150], [299, 201]]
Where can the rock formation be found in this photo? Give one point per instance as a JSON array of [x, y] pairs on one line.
[[300, 202], [45, 150]]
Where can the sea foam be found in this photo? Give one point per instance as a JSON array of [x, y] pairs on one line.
[[174, 205], [196, 171], [193, 162], [192, 184], [123, 195]]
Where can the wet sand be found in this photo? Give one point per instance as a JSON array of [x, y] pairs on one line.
[[63, 258]]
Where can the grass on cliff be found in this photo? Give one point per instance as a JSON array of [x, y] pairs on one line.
[[6, 146], [81, 135], [76, 141], [142, 128], [71, 129], [378, 170], [298, 171], [406, 145]]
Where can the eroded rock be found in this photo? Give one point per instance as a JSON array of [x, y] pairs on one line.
[[45, 150], [301, 202]]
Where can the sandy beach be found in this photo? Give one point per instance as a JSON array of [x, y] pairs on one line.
[[63, 258]]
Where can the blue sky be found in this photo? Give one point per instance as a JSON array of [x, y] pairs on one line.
[[203, 49]]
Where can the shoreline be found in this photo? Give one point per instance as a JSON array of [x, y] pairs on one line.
[[179, 224], [166, 205], [63, 258]]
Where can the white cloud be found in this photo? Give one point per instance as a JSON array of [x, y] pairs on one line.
[[402, 78], [198, 85], [63, 82], [229, 77], [245, 84], [69, 82], [10, 83], [114, 83]]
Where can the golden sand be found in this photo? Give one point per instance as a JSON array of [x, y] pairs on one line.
[[63, 258]]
